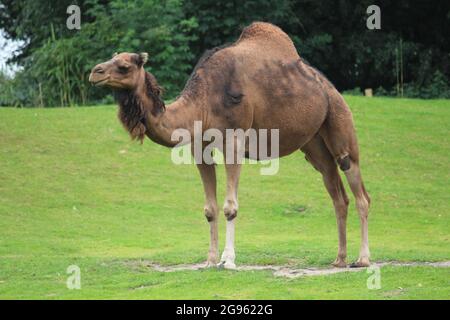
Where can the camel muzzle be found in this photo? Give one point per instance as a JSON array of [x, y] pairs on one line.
[[98, 76]]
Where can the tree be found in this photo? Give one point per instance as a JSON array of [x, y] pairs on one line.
[[413, 43], [58, 64], [220, 22]]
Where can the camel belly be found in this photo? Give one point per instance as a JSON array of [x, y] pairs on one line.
[[296, 124], [285, 141]]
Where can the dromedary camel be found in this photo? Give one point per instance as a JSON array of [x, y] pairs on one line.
[[257, 82]]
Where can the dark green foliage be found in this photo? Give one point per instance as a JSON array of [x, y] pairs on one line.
[[436, 86], [57, 66], [409, 56], [221, 22]]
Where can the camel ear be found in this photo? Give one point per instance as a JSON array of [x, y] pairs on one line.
[[143, 56]]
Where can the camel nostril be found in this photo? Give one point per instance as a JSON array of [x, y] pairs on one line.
[[98, 70]]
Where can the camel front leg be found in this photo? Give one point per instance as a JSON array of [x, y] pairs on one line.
[[208, 174], [230, 209]]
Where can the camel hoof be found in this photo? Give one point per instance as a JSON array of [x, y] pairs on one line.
[[339, 263], [226, 265], [361, 263]]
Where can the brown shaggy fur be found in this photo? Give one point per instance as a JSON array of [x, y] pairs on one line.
[[133, 113]]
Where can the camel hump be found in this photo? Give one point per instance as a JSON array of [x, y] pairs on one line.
[[264, 31], [269, 40]]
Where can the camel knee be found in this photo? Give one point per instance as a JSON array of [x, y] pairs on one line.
[[230, 209], [210, 213], [344, 162]]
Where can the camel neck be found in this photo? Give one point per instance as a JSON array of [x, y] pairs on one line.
[[180, 114]]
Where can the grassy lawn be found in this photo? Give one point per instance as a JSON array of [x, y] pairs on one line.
[[75, 190]]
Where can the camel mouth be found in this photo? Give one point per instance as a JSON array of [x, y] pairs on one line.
[[99, 83]]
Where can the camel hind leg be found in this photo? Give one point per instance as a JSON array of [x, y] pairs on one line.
[[318, 155], [339, 135], [354, 179]]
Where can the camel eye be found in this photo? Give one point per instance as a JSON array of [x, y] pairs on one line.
[[123, 69]]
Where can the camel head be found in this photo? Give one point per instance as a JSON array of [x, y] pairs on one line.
[[136, 91], [122, 71]]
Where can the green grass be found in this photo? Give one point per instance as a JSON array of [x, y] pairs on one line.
[[75, 190]]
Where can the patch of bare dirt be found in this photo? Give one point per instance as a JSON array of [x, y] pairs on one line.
[[290, 272]]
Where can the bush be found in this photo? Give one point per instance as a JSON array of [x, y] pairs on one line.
[[56, 73], [15, 91], [353, 92], [56, 61], [437, 87]]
